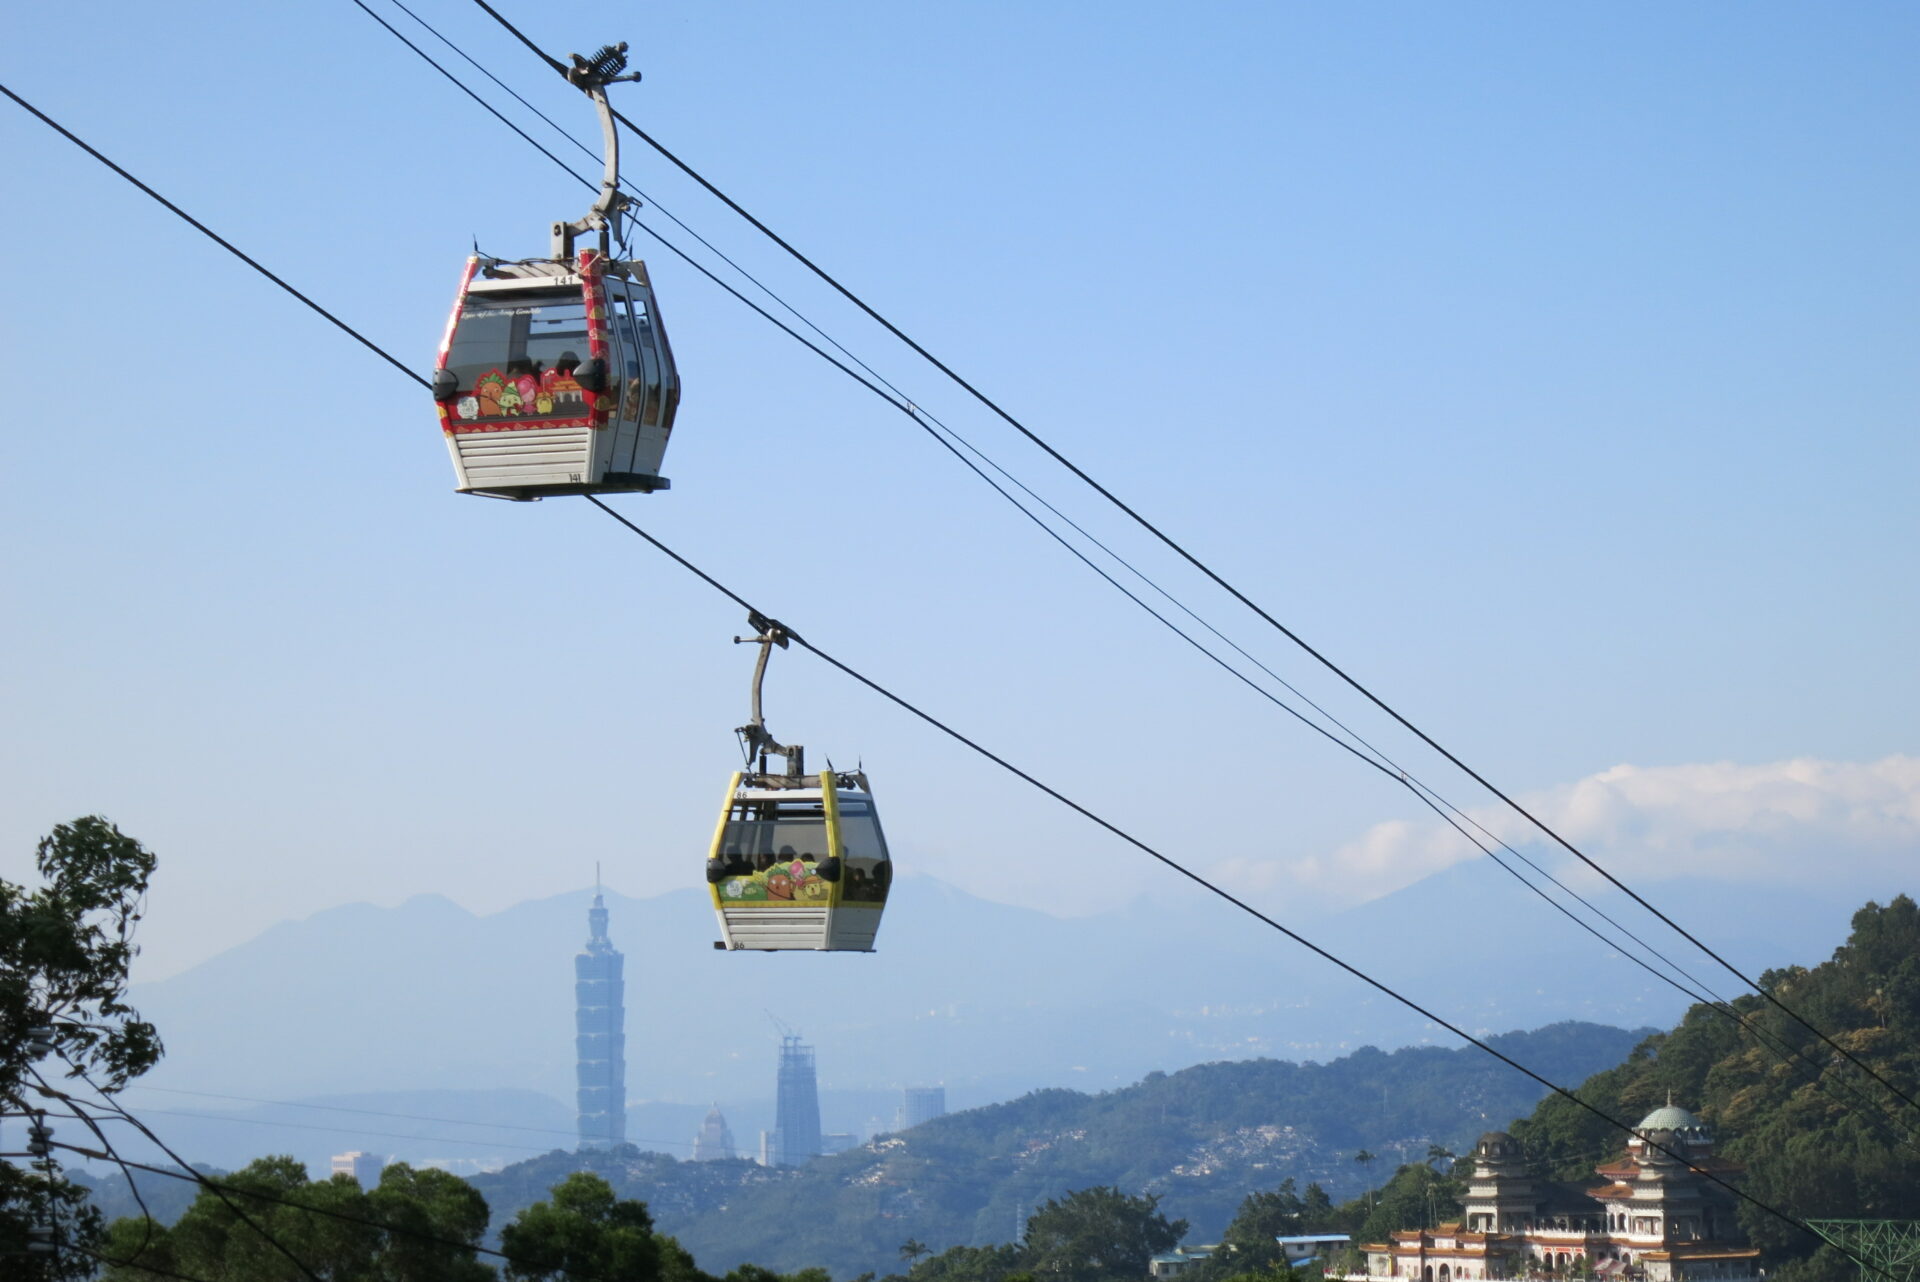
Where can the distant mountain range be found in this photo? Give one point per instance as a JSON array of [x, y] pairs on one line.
[[1202, 1139], [426, 1011]]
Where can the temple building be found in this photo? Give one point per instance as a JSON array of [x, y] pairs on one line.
[[1650, 1216]]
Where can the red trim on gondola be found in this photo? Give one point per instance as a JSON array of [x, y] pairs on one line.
[[599, 406], [446, 339], [593, 271]]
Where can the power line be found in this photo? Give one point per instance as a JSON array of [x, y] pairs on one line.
[[939, 432], [1019, 773], [221, 1189], [894, 397], [134, 1263], [239, 1120], [271, 1240], [1176, 866], [367, 1112], [1204, 569]]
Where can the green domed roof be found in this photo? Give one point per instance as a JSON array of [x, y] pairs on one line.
[[1670, 1117]]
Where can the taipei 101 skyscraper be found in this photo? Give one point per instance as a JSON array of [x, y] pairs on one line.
[[600, 1024]]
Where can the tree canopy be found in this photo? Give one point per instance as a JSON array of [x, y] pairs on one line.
[[261, 1225], [65, 947]]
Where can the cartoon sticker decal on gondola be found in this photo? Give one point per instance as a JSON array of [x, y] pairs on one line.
[[528, 393], [784, 884]]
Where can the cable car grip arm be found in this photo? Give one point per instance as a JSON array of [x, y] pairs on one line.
[[759, 743], [592, 76]]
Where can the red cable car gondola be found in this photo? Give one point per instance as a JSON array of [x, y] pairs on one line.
[[555, 375]]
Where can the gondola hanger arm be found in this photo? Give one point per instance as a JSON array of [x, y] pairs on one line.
[[759, 743], [592, 76]]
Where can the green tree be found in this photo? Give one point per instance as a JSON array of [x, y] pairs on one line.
[[912, 1249], [755, 1273], [1248, 1246], [969, 1264], [583, 1229], [64, 952], [1417, 1197], [1098, 1235], [415, 1226], [1366, 1161], [1317, 1212], [423, 1214]]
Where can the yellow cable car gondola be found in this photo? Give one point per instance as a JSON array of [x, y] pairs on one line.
[[798, 861]]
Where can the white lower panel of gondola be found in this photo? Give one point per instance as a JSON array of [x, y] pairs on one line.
[[535, 456], [854, 928], [805, 929]]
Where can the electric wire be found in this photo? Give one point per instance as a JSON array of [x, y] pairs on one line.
[[1211, 574], [365, 1112], [1199, 880], [401, 1230], [236, 1120], [207, 231], [899, 400], [303, 298], [48, 1090], [981, 750], [1699, 991], [135, 1263], [874, 382], [216, 238], [148, 1223], [903, 403]]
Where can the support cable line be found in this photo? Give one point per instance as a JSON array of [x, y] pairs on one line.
[[875, 382], [1176, 866], [78, 1106], [370, 1112], [148, 1223], [135, 1263], [209, 233], [834, 663], [238, 1120], [1213, 575], [1694, 988], [222, 1189]]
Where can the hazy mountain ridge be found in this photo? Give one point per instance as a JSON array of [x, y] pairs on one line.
[[429, 996], [1201, 1138]]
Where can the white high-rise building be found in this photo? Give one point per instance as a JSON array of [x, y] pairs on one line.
[[365, 1168], [920, 1104]]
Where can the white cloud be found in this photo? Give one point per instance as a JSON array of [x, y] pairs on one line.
[[1785, 823]]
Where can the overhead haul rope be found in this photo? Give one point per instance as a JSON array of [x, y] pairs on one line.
[[113, 1110], [1166, 860], [1209, 572], [44, 1088], [892, 395]]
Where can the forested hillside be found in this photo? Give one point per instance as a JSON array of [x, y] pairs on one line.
[[1201, 1138], [1820, 1137]]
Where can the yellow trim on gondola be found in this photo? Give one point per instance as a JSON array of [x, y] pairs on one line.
[[830, 803], [720, 831]]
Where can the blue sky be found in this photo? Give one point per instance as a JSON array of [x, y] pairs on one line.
[[1550, 367]]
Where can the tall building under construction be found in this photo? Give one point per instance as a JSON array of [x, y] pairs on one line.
[[600, 1034], [795, 1138]]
